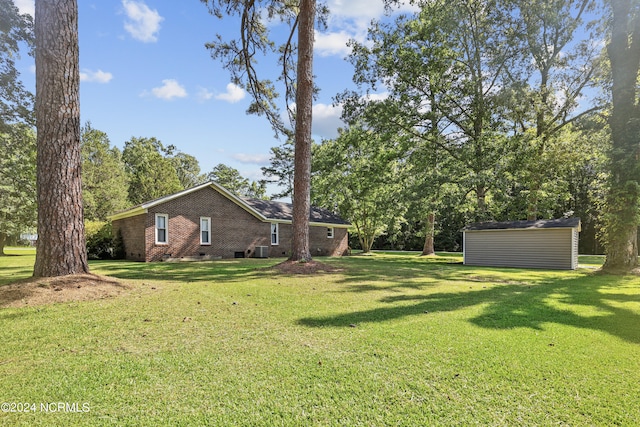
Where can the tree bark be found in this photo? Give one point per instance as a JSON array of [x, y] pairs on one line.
[[430, 231], [304, 103], [3, 242], [61, 248], [624, 190]]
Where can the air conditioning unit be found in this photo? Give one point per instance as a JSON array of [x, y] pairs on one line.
[[261, 252]]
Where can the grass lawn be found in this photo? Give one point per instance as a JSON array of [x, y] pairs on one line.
[[393, 339]]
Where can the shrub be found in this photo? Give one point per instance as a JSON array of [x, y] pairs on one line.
[[101, 243]]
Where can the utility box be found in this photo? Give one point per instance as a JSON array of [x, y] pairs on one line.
[[261, 252]]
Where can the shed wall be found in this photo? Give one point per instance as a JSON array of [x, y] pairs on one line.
[[541, 248]]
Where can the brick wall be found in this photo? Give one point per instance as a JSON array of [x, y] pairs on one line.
[[233, 230], [319, 243], [132, 231]]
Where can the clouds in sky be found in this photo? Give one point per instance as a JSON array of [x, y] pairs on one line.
[[98, 76], [169, 90], [326, 120], [233, 94], [253, 159], [25, 6], [327, 44], [350, 19], [142, 22]]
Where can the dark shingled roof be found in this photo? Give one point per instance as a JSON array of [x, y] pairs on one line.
[[284, 211], [541, 223]]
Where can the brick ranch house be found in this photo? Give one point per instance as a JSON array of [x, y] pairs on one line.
[[208, 222]]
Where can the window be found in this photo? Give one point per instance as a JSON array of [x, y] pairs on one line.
[[330, 233], [274, 234], [205, 231], [162, 235]]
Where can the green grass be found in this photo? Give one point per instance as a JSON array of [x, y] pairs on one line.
[[394, 339]]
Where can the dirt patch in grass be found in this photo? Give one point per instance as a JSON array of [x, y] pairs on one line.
[[309, 267], [49, 290]]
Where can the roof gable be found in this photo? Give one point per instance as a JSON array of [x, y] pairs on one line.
[[524, 225], [264, 210]]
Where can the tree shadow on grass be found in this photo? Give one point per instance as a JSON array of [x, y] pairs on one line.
[[609, 304], [188, 272]]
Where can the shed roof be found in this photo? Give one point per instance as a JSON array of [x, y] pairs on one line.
[[529, 225]]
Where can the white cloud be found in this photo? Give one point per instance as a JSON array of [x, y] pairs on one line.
[[233, 94], [170, 89], [95, 76], [327, 44], [142, 22], [326, 120], [204, 94], [377, 96], [254, 159], [350, 19], [25, 6], [363, 9]]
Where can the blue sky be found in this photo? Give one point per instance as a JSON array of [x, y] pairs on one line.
[[146, 73]]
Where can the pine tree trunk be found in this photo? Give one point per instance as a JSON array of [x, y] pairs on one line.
[[304, 103], [61, 248], [624, 188], [430, 232]]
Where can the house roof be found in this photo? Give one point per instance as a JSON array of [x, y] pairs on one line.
[[284, 211], [528, 225], [264, 210]]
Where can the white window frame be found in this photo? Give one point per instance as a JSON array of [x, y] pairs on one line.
[[275, 233], [205, 220], [166, 229], [330, 232]]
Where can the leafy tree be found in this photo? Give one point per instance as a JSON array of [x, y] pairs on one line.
[[188, 169], [443, 69], [559, 64], [586, 178], [104, 179], [428, 173], [281, 169], [150, 170], [621, 216], [357, 175], [17, 181], [16, 103], [17, 165], [231, 179], [61, 248], [239, 56]]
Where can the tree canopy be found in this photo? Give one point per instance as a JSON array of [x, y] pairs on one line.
[[17, 182], [104, 179], [16, 103], [150, 170], [231, 179]]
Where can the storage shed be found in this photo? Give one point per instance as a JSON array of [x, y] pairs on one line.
[[549, 244]]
